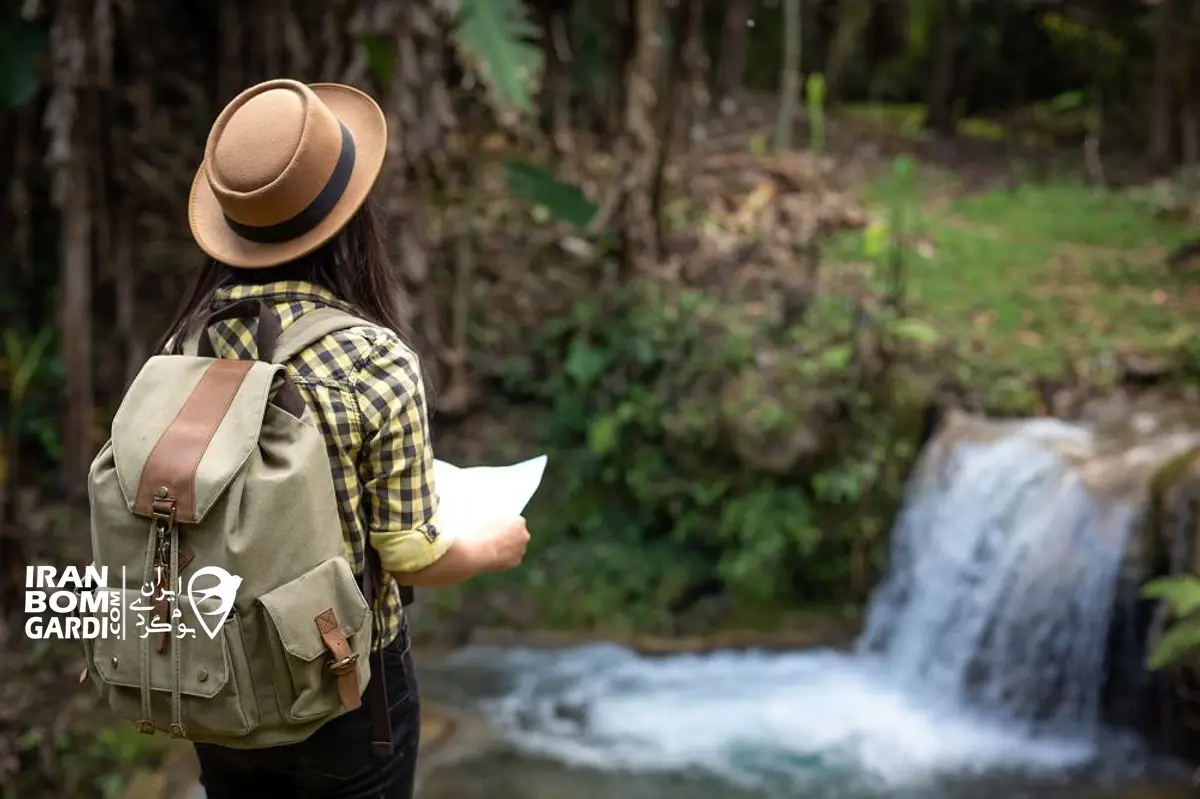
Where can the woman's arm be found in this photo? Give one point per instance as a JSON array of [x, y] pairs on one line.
[[463, 560], [498, 547]]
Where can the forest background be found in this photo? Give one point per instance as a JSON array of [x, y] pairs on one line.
[[724, 262]]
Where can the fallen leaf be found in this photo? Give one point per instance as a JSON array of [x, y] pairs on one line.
[[494, 143], [984, 319], [1029, 338], [756, 201]]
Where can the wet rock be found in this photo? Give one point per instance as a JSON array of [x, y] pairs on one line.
[[147, 786], [1145, 369], [448, 736], [1109, 411], [1065, 403], [1169, 705], [790, 633], [576, 713]]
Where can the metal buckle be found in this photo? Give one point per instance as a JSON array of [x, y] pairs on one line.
[[166, 518], [162, 507], [340, 667]]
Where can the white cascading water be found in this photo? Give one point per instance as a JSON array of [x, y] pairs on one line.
[[984, 651], [1002, 582]]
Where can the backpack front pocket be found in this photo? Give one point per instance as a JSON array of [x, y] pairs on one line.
[[319, 627], [217, 700]]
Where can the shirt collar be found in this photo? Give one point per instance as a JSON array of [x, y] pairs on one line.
[[278, 290]]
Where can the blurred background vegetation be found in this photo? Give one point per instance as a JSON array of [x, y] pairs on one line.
[[723, 261]]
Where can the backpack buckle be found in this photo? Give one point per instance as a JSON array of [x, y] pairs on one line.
[[162, 509], [340, 667]]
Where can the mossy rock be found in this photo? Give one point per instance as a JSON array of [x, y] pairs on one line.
[[1175, 481]]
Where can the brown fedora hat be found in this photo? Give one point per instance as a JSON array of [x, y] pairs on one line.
[[285, 168]]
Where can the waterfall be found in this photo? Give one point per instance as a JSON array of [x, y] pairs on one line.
[[983, 669], [1004, 576]]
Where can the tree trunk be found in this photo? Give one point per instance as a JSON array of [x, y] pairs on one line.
[[676, 113], [1189, 124], [420, 116], [696, 67], [1189, 121], [939, 103], [554, 19], [731, 67], [853, 18], [621, 48], [68, 158], [789, 79], [638, 215], [1162, 98], [1187, 88]]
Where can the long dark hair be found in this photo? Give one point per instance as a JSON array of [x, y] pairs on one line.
[[353, 266]]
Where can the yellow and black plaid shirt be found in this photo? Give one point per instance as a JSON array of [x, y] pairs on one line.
[[365, 391]]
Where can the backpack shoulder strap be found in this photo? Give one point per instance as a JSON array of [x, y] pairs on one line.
[[300, 334], [311, 328]]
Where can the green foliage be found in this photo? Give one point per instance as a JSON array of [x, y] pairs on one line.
[[22, 360], [562, 201], [94, 759], [494, 38], [814, 98], [381, 55], [495, 42], [1181, 641], [673, 475], [1182, 594], [592, 72], [22, 43], [29, 377]]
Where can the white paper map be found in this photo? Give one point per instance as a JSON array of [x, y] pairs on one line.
[[475, 496]]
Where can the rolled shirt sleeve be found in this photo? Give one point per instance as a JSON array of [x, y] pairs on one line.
[[400, 499]]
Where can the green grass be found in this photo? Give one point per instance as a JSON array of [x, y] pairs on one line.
[[1038, 278], [906, 120], [1031, 126]]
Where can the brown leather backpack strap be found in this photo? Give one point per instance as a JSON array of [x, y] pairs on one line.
[[344, 663], [376, 694]]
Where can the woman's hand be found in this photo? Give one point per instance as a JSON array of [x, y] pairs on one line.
[[506, 542]]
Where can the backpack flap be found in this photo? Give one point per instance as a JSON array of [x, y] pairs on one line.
[[186, 427]]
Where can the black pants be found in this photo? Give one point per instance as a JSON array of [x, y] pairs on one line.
[[337, 762]]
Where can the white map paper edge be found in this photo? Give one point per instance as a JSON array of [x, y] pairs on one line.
[[472, 497]]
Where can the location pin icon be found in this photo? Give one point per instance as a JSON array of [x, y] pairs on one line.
[[225, 591]]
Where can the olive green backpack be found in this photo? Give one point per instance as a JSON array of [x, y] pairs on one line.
[[216, 464]]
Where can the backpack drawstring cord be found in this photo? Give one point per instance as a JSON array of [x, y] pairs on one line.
[[146, 723], [177, 729]]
